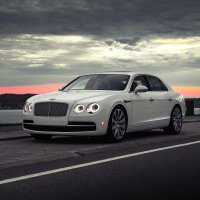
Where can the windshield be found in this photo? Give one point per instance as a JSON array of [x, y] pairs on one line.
[[99, 82]]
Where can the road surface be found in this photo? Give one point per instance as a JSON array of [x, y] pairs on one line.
[[147, 165]]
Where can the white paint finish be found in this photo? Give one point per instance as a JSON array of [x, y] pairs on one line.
[[143, 109], [161, 106], [59, 170], [140, 110]]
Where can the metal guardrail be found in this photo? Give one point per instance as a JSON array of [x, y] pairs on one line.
[[193, 106]]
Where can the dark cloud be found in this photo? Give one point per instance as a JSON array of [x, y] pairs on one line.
[[117, 35], [103, 18]]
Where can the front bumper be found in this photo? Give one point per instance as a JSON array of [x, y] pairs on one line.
[[74, 126]]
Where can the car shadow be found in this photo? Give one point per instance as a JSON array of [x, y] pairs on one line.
[[155, 133], [100, 140]]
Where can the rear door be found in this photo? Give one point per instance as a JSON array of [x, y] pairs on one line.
[[162, 103]]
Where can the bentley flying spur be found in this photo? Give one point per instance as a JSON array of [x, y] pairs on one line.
[[110, 104]]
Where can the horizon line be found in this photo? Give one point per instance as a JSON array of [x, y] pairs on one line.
[[186, 91]]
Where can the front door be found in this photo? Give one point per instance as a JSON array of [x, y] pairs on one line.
[[143, 104]]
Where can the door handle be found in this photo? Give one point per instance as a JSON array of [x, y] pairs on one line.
[[170, 99], [151, 99], [127, 101]]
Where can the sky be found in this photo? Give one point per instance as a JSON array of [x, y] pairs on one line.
[[47, 43]]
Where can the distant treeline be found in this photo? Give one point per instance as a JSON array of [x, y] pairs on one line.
[[13, 101]]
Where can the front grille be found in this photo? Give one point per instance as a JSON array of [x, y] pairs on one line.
[[51, 109], [42, 109], [58, 109]]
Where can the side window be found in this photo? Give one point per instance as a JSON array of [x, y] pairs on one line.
[[163, 86], [156, 84], [138, 80]]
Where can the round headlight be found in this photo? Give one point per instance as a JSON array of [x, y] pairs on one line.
[[30, 107], [93, 108], [79, 108], [26, 106]]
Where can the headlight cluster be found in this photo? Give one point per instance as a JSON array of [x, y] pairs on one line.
[[28, 107], [91, 108], [79, 108]]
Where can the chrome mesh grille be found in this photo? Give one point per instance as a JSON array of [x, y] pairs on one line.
[[42, 109], [58, 109], [51, 109]]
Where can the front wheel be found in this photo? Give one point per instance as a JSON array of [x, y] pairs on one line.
[[117, 125], [176, 121], [41, 137]]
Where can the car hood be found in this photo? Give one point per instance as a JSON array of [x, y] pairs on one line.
[[72, 96]]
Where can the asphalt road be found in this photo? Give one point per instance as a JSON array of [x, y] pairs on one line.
[[147, 165]]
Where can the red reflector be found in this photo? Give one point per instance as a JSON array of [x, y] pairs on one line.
[[102, 123]]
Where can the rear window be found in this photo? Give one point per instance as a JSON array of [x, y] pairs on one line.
[[156, 84]]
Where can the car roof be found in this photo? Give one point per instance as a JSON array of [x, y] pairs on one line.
[[131, 73], [118, 72]]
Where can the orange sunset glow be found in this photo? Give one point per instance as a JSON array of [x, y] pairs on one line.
[[31, 89], [187, 91]]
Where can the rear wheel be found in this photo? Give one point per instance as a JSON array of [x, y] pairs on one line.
[[176, 121], [117, 125], [41, 137]]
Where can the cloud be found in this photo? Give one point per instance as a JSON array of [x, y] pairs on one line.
[[103, 18], [46, 41], [50, 58]]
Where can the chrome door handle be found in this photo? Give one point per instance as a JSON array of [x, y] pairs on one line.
[[170, 99], [127, 101], [151, 99]]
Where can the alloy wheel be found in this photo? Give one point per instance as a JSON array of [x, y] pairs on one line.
[[118, 124], [177, 119]]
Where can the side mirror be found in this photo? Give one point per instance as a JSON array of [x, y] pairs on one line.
[[141, 88]]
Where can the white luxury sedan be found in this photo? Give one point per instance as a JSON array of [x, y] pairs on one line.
[[109, 104]]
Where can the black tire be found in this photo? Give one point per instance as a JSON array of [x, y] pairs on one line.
[[117, 125], [176, 121], [41, 137]]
